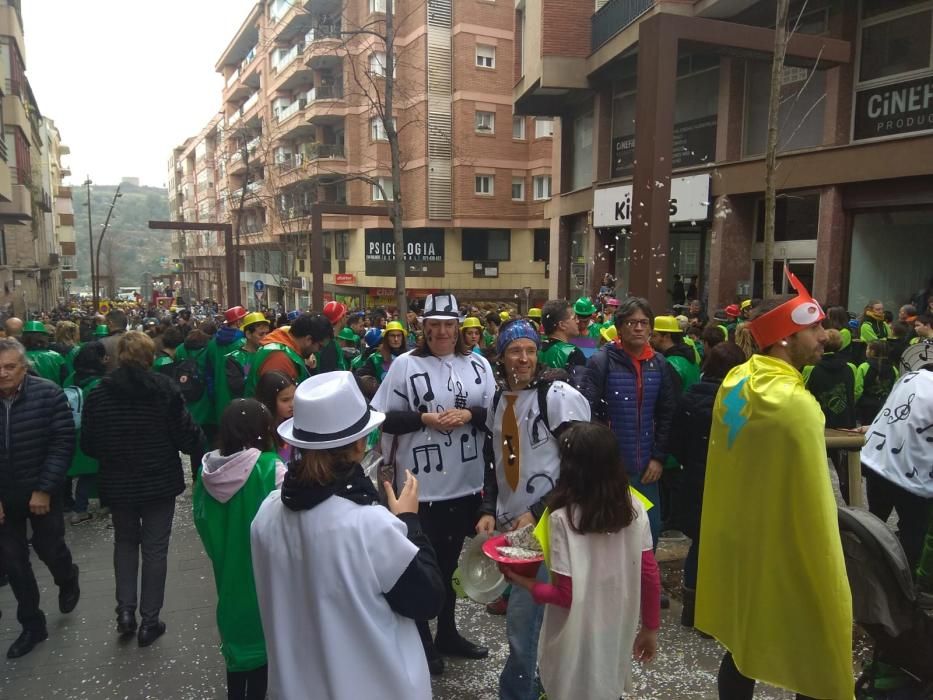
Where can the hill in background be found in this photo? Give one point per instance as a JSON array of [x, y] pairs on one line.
[[135, 248]]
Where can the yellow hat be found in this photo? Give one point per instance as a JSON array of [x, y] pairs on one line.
[[504, 315], [745, 304], [534, 312], [666, 324], [609, 333], [471, 322], [254, 318], [394, 326]]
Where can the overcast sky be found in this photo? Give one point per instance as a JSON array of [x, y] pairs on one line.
[[127, 80]]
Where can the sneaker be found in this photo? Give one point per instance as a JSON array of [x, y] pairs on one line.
[[77, 518]]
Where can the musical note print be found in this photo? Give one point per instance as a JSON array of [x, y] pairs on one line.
[[468, 447], [922, 430], [427, 457], [899, 413], [898, 450], [460, 396], [912, 474], [530, 488], [884, 439], [425, 396], [477, 367]]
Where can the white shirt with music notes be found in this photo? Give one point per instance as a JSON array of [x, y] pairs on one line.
[[539, 462], [899, 442], [448, 464]]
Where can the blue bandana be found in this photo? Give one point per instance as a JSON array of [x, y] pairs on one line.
[[513, 330]]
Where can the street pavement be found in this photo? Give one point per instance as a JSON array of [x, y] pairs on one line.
[[84, 658]]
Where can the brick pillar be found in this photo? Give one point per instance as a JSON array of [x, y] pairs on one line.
[[730, 250], [830, 248]]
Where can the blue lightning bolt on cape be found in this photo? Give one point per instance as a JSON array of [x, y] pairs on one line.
[[772, 584]]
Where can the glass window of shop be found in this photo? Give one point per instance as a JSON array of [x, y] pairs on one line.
[[486, 244], [892, 250], [581, 164], [801, 111], [894, 87], [695, 109]]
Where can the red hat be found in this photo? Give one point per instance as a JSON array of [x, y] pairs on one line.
[[234, 314], [789, 318], [732, 311], [334, 311]]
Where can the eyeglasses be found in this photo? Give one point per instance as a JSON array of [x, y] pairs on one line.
[[637, 323]]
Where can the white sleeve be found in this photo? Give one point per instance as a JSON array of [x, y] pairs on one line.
[[560, 544], [386, 399], [641, 522], [387, 544], [565, 404]]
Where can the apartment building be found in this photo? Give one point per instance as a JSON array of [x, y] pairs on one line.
[[659, 163], [35, 215], [302, 121]]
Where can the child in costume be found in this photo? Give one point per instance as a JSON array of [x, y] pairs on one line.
[[234, 482], [276, 391], [603, 572]]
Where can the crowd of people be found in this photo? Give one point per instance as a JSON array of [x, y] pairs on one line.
[[607, 422]]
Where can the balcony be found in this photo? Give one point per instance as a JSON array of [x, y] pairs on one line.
[[613, 17], [19, 208], [315, 151], [322, 32], [283, 113], [284, 58], [251, 102], [232, 78]]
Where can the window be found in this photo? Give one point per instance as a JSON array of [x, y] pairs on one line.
[[386, 184], [542, 185], [342, 245], [377, 63], [544, 127], [518, 189], [796, 217], [542, 245], [377, 129], [518, 128], [377, 6], [486, 122], [485, 244], [483, 184], [485, 56], [582, 160], [900, 45]]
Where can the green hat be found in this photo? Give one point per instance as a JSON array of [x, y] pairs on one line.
[[348, 335], [34, 327], [584, 307], [101, 332]]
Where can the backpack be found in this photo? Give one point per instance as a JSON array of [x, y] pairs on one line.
[[190, 380], [75, 402]]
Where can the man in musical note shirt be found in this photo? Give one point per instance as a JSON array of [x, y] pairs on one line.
[[435, 399], [525, 466], [899, 456]]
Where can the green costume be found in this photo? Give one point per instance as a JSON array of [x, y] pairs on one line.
[[375, 360], [556, 353], [162, 361], [70, 359], [242, 360], [224, 530], [48, 364], [81, 463], [262, 354], [217, 366], [687, 370]]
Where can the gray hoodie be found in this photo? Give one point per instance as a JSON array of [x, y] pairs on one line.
[[223, 476]]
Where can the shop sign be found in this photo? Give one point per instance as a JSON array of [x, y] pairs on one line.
[[901, 108], [344, 278], [424, 252], [612, 206], [694, 144]]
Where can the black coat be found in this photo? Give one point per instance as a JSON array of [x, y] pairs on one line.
[[37, 439], [689, 444], [135, 423]]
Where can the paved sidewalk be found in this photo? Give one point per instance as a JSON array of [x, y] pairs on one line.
[[84, 658]]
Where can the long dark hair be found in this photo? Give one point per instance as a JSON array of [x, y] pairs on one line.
[[246, 423], [268, 388], [89, 362], [593, 485]]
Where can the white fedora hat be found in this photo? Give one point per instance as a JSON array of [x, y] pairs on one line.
[[441, 307], [330, 411]]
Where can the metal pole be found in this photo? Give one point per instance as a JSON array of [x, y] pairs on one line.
[[101, 238], [90, 250], [317, 259]]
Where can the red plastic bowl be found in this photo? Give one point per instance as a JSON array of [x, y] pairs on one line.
[[522, 567]]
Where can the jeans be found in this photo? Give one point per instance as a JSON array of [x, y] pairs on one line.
[[734, 686], [518, 680], [248, 685], [691, 564], [85, 485], [145, 527], [912, 512], [653, 493], [48, 540]]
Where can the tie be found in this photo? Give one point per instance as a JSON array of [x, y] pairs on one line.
[[510, 442]]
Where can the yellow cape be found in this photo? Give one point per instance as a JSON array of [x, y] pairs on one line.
[[772, 584]]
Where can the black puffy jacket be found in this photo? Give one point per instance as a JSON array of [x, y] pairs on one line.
[[689, 444], [135, 423], [37, 439]]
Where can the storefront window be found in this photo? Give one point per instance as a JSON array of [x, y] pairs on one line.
[[800, 115], [802, 269], [796, 217], [486, 244]]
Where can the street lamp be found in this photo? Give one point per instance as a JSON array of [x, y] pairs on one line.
[[90, 234], [100, 240]]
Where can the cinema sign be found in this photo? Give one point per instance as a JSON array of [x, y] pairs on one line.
[[890, 110]]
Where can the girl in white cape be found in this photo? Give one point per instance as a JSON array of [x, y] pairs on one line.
[[602, 572]]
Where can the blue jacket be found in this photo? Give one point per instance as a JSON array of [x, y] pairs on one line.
[[639, 413]]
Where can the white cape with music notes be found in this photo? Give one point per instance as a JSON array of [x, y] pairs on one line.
[[899, 443], [448, 464]]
